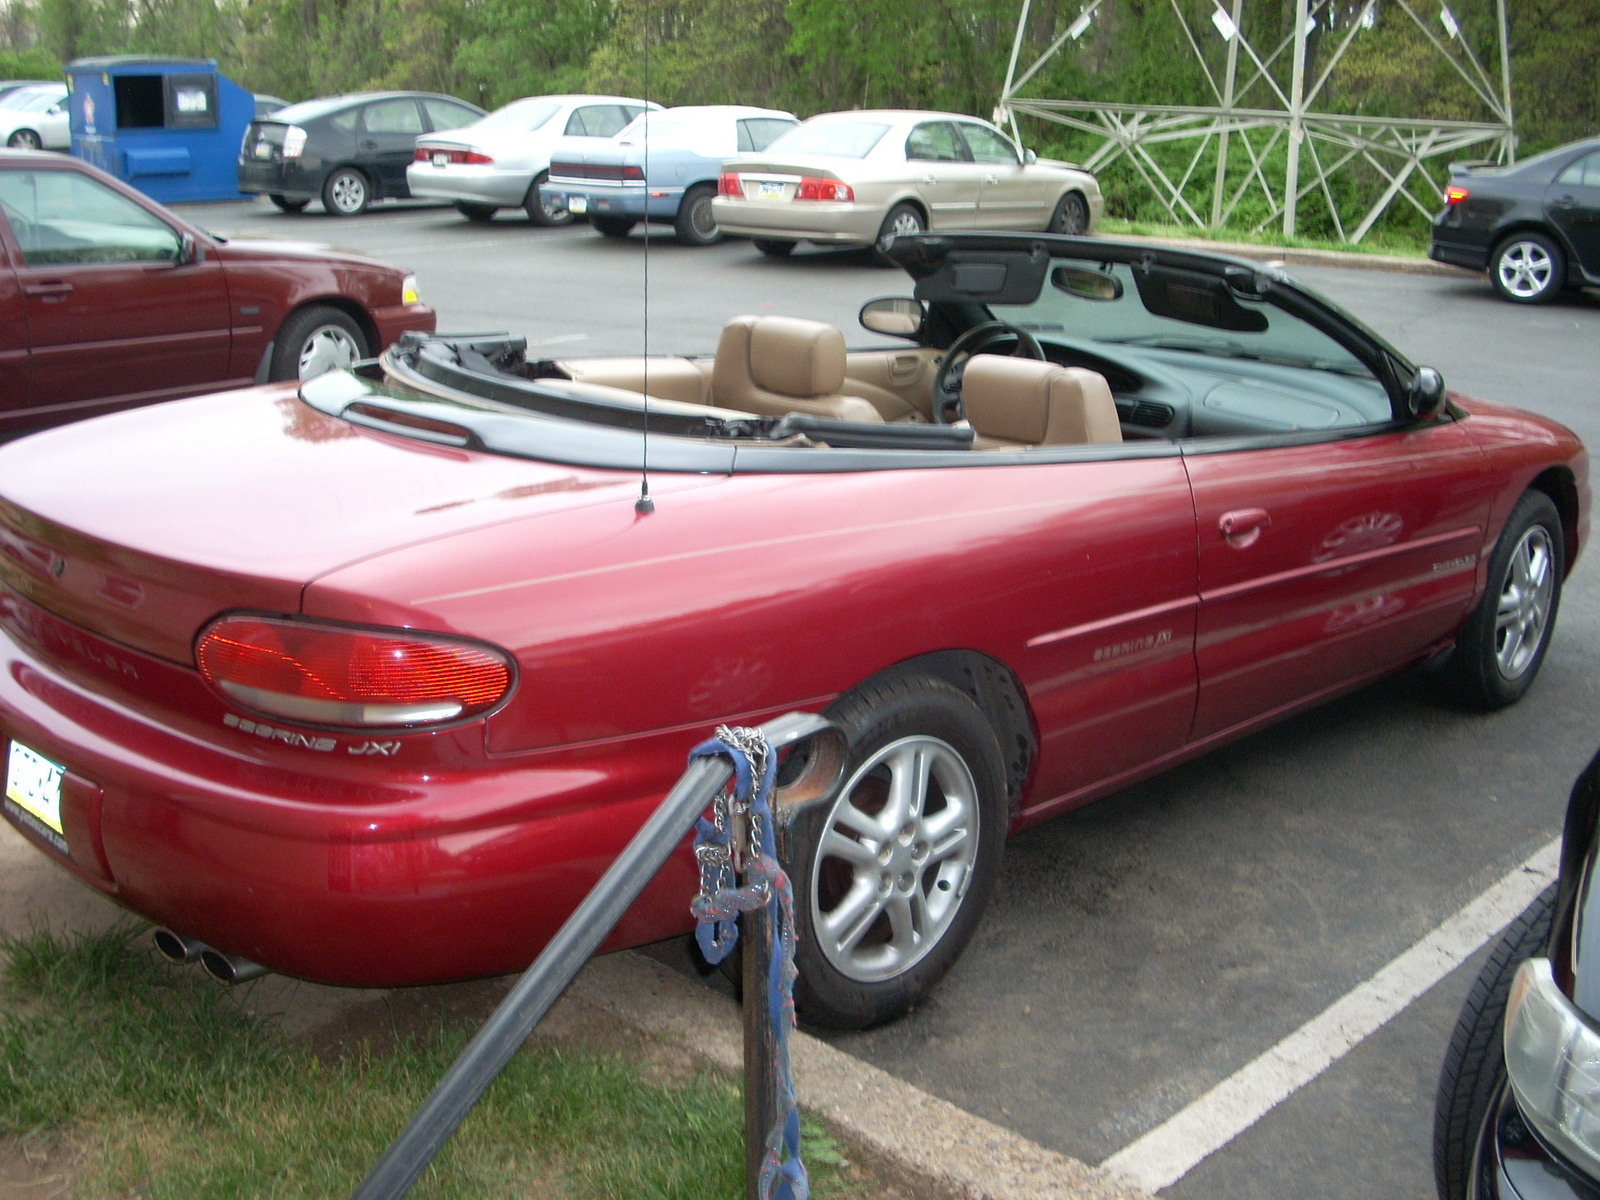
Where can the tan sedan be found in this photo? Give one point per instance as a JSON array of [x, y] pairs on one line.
[[854, 178]]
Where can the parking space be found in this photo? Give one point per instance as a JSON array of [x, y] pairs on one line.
[[1146, 948]]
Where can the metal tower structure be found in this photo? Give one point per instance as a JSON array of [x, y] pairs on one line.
[[1394, 147]]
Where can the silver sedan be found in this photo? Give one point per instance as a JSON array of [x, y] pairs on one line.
[[854, 178]]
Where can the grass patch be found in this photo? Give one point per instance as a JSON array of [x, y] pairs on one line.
[[1376, 242], [173, 1091]]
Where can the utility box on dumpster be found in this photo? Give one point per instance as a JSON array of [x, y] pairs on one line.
[[170, 127]]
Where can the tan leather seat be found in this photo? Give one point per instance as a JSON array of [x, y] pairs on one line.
[[778, 365], [1024, 402]]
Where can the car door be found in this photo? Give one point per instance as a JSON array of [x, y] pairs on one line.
[[15, 391], [387, 139], [943, 174], [1327, 560], [1572, 203], [1009, 197], [113, 314]]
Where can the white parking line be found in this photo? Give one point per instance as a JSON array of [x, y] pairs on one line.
[[1172, 1149]]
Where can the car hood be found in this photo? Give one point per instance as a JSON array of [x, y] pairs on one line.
[[142, 526], [243, 248]]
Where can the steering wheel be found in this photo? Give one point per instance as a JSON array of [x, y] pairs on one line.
[[980, 339]]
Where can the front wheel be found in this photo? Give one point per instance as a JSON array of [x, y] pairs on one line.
[[315, 340], [1474, 1068], [695, 224], [25, 139], [1499, 650], [1071, 215], [476, 212], [1528, 268], [773, 248], [346, 193], [613, 227], [892, 876], [548, 213]]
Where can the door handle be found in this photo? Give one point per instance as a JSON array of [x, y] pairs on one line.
[[991, 179], [1242, 527], [1565, 202], [929, 179], [50, 290], [369, 144]]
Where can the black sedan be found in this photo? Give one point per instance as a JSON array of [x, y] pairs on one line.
[[346, 150], [1534, 226], [1518, 1115]]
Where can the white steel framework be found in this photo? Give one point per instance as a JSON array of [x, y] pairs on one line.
[[1395, 148]]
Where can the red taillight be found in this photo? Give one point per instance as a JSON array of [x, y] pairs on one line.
[[728, 185], [823, 189], [362, 678], [1454, 194], [429, 153], [631, 172]]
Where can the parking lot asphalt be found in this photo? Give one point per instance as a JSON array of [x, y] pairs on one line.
[[1145, 948]]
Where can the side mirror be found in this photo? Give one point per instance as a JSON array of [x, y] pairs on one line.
[[899, 316], [1029, 158], [1426, 396], [189, 250]]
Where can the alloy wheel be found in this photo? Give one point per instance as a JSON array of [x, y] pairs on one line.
[[1524, 608], [1525, 269], [26, 139], [896, 855], [328, 348], [349, 193]]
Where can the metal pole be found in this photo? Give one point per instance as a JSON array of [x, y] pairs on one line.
[[760, 1040], [1297, 130], [1227, 109], [1505, 84]]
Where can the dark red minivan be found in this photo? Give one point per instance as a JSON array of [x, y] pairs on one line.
[[108, 300]]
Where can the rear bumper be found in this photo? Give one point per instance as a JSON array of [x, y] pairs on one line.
[[1456, 254], [635, 203], [468, 183], [287, 178], [811, 221], [323, 862]]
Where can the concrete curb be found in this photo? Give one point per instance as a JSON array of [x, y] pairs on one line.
[[924, 1137], [1306, 257]]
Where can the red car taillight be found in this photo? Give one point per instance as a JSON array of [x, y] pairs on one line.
[[427, 153], [1454, 194], [728, 185], [823, 189], [360, 678]]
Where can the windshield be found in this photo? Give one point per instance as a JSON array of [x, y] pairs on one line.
[[520, 116], [842, 139]]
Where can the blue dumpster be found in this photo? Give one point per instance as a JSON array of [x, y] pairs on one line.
[[170, 127]]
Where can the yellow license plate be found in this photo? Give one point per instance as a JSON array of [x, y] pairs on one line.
[[33, 784]]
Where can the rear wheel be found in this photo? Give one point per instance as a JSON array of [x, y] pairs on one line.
[[892, 876], [1474, 1068], [1071, 215], [1528, 268], [288, 205], [346, 193], [542, 212], [695, 224], [613, 227], [25, 139], [1499, 650], [314, 340], [476, 212], [902, 219], [774, 249]]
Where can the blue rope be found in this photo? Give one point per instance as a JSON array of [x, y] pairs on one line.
[[717, 908]]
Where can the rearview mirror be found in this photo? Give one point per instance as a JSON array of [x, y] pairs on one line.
[[899, 316], [1086, 284], [1426, 396]]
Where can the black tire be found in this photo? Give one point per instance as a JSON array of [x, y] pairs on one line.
[[1474, 1066], [871, 979], [1488, 670], [1528, 268], [346, 192], [548, 215], [902, 218], [476, 212], [337, 331], [772, 248], [287, 205], [695, 225], [25, 139], [1071, 215], [613, 227]]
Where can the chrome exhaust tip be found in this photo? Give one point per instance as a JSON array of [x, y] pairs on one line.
[[174, 947], [229, 968]]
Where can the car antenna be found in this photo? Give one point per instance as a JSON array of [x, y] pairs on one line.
[[644, 505]]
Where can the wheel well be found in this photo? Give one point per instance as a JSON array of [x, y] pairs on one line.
[[927, 221], [350, 309], [995, 690], [1559, 485]]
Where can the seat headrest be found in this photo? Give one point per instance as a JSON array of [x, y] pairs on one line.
[[795, 357], [1038, 403]]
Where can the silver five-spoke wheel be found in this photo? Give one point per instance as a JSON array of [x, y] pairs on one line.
[[1525, 269], [1524, 607], [895, 859]]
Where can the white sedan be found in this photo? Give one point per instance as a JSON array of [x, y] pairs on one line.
[[35, 118], [855, 178], [502, 160]]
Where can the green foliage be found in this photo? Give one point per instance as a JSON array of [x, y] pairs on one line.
[[29, 64], [699, 52]]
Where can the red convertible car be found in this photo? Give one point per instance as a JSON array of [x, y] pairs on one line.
[[367, 681]]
